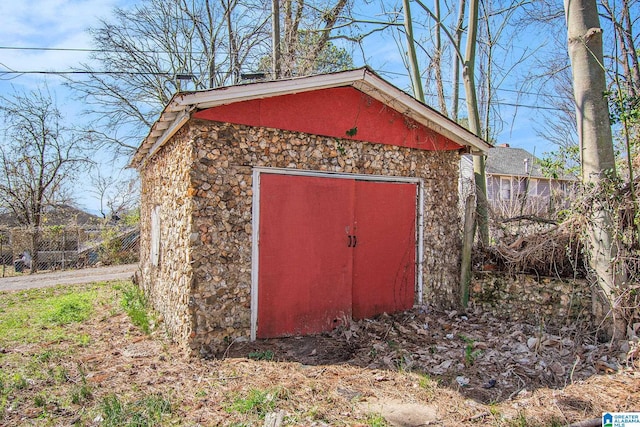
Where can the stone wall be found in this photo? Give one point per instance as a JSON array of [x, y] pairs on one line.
[[221, 188], [546, 301], [165, 183]]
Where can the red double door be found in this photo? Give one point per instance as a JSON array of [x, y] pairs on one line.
[[331, 250]]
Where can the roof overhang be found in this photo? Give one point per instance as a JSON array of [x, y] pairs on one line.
[[179, 109]]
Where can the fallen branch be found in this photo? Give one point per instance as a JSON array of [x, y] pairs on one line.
[[531, 218], [594, 422]]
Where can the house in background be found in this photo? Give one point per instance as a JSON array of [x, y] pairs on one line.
[[68, 237], [516, 183], [63, 230], [58, 215]]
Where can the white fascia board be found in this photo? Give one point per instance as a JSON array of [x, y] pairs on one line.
[[170, 130], [406, 104], [232, 94]]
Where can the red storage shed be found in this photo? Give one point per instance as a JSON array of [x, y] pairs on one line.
[[291, 207]]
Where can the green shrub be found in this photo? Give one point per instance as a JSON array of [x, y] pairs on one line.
[[135, 304], [261, 355]]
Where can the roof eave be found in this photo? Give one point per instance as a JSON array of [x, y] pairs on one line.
[[422, 113], [178, 110]]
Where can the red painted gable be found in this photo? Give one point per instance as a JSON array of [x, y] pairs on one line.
[[342, 112]]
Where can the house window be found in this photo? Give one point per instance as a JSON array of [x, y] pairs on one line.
[[155, 236], [492, 188], [505, 189], [544, 188], [533, 187], [521, 187]]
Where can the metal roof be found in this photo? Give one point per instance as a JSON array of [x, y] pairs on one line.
[[179, 109]]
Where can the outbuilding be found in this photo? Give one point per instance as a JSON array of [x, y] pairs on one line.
[[290, 207]]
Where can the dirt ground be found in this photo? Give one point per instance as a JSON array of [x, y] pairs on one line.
[[483, 358], [420, 367]]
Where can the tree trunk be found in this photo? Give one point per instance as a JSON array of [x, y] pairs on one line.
[[456, 62], [275, 38], [437, 61], [474, 123], [412, 59], [596, 147]]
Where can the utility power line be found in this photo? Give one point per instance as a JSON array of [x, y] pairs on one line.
[[510, 104], [159, 73], [80, 49], [127, 73]]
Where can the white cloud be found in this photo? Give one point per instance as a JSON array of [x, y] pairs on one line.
[[49, 21], [51, 24]]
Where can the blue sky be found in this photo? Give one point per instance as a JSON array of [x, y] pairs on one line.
[[63, 24], [52, 24]]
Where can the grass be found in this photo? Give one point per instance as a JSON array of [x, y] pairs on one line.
[[63, 362], [376, 420], [148, 411], [470, 355], [40, 314], [258, 402], [135, 304], [429, 384], [69, 309], [47, 326]]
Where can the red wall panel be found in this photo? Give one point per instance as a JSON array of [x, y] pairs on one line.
[[305, 264], [343, 112], [384, 265]]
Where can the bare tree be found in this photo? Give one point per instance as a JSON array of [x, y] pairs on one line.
[[148, 52], [618, 15], [496, 61], [115, 194], [549, 76], [307, 37], [437, 58], [596, 146], [468, 73], [39, 157], [414, 68], [458, 30]]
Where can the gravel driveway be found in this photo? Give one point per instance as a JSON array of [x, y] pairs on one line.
[[69, 277]]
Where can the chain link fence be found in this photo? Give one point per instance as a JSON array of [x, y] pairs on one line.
[[67, 247]]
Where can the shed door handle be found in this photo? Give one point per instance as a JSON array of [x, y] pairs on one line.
[[353, 241]]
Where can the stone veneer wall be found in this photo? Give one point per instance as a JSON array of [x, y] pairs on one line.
[[221, 187], [546, 301], [165, 183]]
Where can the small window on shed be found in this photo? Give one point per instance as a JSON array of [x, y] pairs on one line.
[[155, 236]]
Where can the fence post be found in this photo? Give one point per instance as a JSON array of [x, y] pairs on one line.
[[64, 247], [467, 245], [2, 251]]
